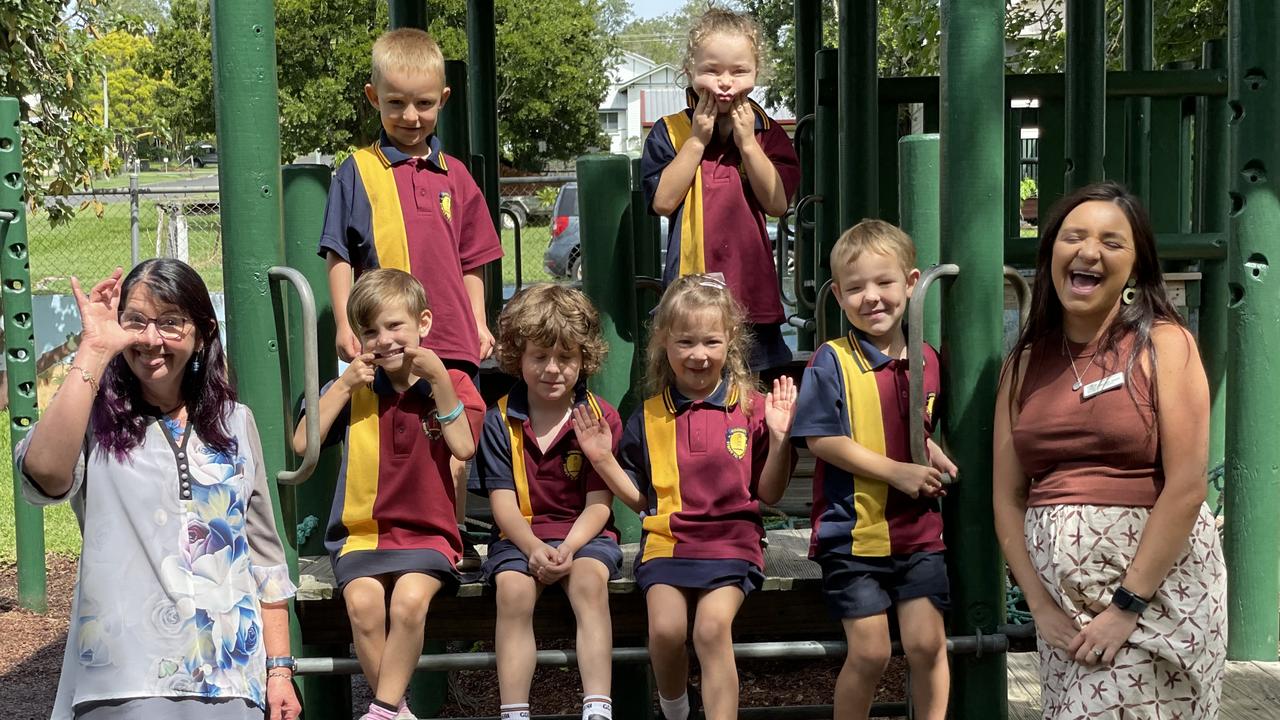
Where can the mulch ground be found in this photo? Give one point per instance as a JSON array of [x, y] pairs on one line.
[[32, 644]]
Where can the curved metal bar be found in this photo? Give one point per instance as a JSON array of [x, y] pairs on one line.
[[915, 360], [798, 249], [804, 127], [1022, 290], [780, 253], [644, 282], [515, 223], [310, 374], [819, 314]]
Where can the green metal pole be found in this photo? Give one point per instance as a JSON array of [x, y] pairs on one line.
[[20, 351], [826, 138], [454, 127], [482, 55], [859, 113], [972, 167], [1213, 165], [1138, 55], [808, 40], [918, 200], [407, 14], [1253, 485], [1086, 91]]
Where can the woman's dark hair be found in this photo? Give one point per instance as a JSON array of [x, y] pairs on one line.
[[1150, 306], [121, 415]]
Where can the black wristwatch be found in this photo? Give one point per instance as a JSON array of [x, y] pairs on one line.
[[284, 661], [1127, 601]]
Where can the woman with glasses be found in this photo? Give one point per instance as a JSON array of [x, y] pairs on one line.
[[180, 605]]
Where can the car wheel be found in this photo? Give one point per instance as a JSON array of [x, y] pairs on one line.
[[508, 223], [575, 268]]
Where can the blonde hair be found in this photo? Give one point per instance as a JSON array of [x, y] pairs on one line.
[[375, 290], [684, 297], [720, 21], [875, 236], [406, 50], [549, 315]]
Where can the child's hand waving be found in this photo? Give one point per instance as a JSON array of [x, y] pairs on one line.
[[780, 407], [594, 436]]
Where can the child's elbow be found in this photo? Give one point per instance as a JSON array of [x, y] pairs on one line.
[[465, 450], [663, 207]]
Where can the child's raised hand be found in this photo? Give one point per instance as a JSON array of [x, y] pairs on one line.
[[426, 364], [780, 407], [704, 117], [593, 433], [744, 121], [916, 480], [359, 372], [347, 344]]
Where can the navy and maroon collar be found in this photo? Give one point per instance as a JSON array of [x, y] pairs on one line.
[[394, 155], [381, 385], [518, 400], [725, 396]]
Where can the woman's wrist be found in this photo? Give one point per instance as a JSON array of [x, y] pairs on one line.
[[93, 358]]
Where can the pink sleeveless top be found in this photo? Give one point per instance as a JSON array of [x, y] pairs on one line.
[[1104, 450]]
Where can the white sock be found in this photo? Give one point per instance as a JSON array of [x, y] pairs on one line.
[[677, 709], [515, 711], [597, 707]]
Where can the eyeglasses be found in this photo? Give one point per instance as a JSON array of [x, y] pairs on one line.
[[170, 327]]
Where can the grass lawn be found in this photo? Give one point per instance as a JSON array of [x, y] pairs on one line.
[[533, 242], [151, 177], [61, 535]]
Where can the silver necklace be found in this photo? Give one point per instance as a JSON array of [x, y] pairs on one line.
[[1079, 383]]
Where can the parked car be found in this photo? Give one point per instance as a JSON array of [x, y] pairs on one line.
[[563, 257], [202, 154]]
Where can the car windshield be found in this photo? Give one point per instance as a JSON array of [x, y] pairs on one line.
[[568, 204]]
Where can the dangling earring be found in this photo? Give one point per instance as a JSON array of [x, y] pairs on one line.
[[195, 365], [1130, 292]]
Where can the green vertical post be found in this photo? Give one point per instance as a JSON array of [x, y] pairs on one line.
[[1012, 175], [1052, 151], [306, 191], [20, 351], [646, 240], [482, 57], [972, 165], [1165, 166], [1213, 166], [887, 157], [407, 14], [918, 200], [858, 116], [808, 40], [1115, 146], [454, 128], [1138, 55], [1086, 91], [1252, 486], [826, 139], [248, 129]]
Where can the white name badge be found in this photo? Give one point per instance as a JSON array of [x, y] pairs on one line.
[[1111, 382]]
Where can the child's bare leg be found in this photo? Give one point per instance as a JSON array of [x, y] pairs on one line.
[[924, 641], [668, 632], [513, 642], [588, 588], [366, 600], [713, 641], [868, 640], [410, 598]]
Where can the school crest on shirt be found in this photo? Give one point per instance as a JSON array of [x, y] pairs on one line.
[[572, 464], [431, 428], [736, 441], [446, 206], [928, 405]]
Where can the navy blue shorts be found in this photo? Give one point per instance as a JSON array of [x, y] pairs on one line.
[[504, 555], [692, 574], [768, 348], [862, 586], [376, 563]]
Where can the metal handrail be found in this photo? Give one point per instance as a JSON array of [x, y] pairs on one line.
[[819, 309], [310, 374], [915, 361], [801, 132], [780, 254], [797, 279], [515, 222], [1022, 290]]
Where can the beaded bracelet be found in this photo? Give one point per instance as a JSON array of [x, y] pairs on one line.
[[453, 415], [88, 378]]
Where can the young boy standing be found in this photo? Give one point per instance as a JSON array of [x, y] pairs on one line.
[[392, 536], [403, 203], [877, 527]]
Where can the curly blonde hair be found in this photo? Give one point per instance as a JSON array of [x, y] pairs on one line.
[[549, 315], [684, 297], [720, 21]]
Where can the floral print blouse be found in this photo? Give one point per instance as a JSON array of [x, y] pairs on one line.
[[180, 549]]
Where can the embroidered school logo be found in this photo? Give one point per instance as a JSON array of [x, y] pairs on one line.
[[431, 428], [928, 405], [446, 206], [572, 464], [736, 440]]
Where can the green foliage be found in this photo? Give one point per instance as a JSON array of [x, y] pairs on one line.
[[180, 56], [46, 61], [132, 95], [547, 195], [1027, 188], [665, 38]]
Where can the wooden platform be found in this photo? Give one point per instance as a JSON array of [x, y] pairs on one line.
[[1251, 690]]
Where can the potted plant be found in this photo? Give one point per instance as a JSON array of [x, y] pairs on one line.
[[1028, 193]]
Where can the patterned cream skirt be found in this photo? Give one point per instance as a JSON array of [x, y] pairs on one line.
[[1173, 664]]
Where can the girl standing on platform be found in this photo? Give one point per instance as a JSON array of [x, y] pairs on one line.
[[716, 168], [696, 460]]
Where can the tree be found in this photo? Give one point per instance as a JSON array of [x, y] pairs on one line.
[[47, 63], [131, 95], [181, 56]]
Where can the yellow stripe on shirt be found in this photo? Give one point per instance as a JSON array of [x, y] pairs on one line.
[[364, 443], [515, 433], [389, 237], [664, 477], [870, 536], [692, 256]]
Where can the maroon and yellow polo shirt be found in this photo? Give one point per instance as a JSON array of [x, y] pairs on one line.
[[425, 216], [395, 491], [551, 486], [699, 462], [720, 226], [850, 388]]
